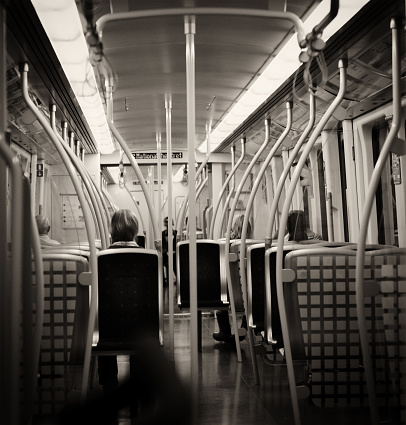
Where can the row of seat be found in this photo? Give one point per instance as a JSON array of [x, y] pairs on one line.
[[321, 314], [128, 307], [319, 299]]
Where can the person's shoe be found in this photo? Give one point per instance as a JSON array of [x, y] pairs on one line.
[[231, 339], [244, 322], [219, 336]]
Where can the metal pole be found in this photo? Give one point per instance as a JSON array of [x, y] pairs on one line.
[[168, 110], [285, 212], [375, 178], [190, 30], [90, 230]]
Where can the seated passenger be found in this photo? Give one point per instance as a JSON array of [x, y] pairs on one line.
[[124, 229], [224, 334], [297, 229], [44, 227]]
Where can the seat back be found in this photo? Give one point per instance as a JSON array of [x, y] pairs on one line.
[[211, 291], [235, 272], [66, 314], [321, 300], [389, 271], [256, 285], [141, 240], [128, 296]]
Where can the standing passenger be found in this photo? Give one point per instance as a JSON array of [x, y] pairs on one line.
[[165, 249], [43, 229]]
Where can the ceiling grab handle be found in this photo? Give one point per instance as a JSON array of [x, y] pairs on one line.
[[250, 203], [89, 225], [97, 207], [334, 6], [342, 64], [228, 231], [369, 199], [223, 189], [133, 162], [277, 195], [135, 14]]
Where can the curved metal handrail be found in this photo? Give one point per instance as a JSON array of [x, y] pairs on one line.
[[223, 189], [87, 217], [369, 199], [228, 231], [80, 168], [279, 257], [281, 184], [250, 203], [133, 162]]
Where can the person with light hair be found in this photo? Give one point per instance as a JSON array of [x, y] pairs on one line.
[[44, 227]]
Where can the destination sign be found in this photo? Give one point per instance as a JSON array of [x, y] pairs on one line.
[[153, 155]]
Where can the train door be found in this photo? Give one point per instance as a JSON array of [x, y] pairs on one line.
[[387, 219]]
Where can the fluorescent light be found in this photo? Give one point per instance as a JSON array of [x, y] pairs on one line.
[[285, 63], [61, 21]]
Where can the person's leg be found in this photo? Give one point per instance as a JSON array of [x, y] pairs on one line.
[[224, 332], [108, 372]]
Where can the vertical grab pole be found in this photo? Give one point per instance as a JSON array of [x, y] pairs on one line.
[[190, 30], [342, 64], [375, 178], [168, 110]]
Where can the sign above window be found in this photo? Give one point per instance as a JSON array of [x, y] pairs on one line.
[[153, 155]]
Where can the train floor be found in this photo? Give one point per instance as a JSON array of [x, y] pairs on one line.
[[227, 394]]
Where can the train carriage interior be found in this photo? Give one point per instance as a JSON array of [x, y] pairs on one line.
[[278, 126]]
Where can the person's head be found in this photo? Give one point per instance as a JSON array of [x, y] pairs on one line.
[[124, 226], [237, 228], [166, 221], [297, 226], [43, 224]]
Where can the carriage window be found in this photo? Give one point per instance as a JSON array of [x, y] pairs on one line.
[[385, 194], [322, 189]]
